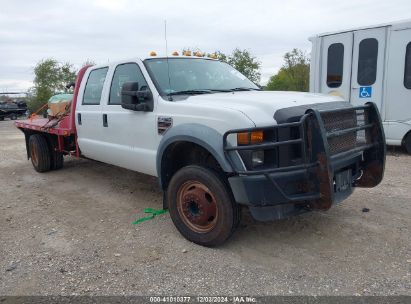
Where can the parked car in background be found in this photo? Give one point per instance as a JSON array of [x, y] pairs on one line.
[[11, 110]]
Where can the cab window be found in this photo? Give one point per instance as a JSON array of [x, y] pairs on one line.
[[335, 65], [125, 73], [407, 72], [94, 86], [367, 62]]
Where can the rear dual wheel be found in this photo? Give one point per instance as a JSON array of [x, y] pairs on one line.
[[39, 153], [202, 206], [43, 156], [57, 160]]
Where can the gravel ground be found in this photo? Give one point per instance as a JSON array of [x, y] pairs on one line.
[[69, 232]]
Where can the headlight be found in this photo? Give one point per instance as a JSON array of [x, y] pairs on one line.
[[252, 158], [257, 158]]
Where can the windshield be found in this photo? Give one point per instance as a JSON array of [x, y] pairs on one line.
[[191, 76]]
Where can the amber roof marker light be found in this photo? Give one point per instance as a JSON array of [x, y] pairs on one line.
[[212, 56]]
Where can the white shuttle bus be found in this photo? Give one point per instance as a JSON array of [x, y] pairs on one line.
[[368, 64]]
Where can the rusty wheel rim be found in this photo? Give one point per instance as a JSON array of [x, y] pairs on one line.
[[33, 154], [197, 206]]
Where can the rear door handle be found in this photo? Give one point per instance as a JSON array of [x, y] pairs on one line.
[[105, 123], [79, 118]]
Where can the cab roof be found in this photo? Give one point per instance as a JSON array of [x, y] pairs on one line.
[[180, 56], [97, 66]]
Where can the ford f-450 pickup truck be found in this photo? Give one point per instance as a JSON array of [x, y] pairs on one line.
[[215, 141]]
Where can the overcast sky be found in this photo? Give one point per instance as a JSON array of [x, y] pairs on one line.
[[109, 30]]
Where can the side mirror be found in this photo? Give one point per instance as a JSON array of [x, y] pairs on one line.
[[135, 100]]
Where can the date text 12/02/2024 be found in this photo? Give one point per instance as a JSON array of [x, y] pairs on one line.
[[203, 299]]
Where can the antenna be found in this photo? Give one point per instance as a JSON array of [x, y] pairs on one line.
[[168, 65]]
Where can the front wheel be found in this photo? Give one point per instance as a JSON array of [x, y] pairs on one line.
[[202, 206]]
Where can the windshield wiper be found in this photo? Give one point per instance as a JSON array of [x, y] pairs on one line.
[[209, 91], [236, 90], [245, 89], [190, 92]]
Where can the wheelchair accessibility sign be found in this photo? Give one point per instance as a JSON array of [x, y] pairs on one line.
[[365, 92]]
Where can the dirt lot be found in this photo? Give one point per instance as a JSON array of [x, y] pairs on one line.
[[70, 232]]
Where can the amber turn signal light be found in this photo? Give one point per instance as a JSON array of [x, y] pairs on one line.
[[247, 138]]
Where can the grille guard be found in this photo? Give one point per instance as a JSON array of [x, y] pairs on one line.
[[317, 161]]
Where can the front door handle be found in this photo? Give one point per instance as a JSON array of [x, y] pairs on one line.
[[79, 118], [105, 123]]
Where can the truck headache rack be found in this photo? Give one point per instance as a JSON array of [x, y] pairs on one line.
[[302, 159]]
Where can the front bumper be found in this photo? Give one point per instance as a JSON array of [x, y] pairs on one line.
[[333, 158]]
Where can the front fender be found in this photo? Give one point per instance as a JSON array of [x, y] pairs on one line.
[[206, 137]]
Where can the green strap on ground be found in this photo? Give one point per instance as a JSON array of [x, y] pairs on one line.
[[153, 213]]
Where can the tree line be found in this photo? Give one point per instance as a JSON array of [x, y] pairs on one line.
[[52, 76]]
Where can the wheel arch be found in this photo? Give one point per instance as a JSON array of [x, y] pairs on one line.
[[188, 136], [50, 138]]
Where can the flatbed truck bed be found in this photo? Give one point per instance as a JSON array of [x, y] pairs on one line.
[[62, 135]]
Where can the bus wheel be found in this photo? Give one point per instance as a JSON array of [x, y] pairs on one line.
[[407, 143]]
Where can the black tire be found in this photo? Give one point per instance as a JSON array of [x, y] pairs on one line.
[[39, 153], [57, 160], [13, 117], [202, 206], [407, 143], [1, 118]]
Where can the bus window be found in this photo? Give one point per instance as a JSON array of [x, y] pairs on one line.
[[407, 72], [367, 62], [335, 65]]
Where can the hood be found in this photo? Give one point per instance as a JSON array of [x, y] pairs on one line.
[[259, 106]]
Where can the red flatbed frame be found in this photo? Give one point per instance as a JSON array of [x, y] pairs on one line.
[[65, 127]]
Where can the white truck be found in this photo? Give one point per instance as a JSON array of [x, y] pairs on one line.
[[368, 64], [215, 141]]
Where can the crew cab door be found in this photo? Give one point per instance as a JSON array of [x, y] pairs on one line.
[[88, 113], [368, 66], [130, 137]]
